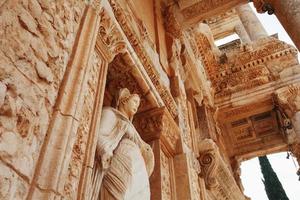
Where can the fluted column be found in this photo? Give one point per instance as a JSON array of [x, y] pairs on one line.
[[242, 33], [251, 23], [288, 13]]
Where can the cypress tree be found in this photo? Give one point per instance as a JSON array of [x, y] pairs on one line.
[[272, 184]]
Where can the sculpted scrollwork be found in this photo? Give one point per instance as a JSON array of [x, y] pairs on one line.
[[208, 160]]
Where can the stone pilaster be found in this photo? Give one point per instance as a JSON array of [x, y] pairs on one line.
[[251, 23]]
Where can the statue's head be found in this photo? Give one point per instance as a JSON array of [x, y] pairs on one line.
[[127, 103]]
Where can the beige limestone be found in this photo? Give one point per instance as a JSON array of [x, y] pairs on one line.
[[61, 62]]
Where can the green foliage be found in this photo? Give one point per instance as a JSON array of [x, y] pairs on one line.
[[272, 184]]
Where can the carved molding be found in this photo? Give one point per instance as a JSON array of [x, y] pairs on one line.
[[120, 75], [202, 7], [158, 124], [133, 38], [109, 36], [171, 24]]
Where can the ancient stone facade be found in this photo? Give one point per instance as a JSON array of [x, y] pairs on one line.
[[203, 109]]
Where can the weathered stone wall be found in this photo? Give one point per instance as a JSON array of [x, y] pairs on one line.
[[36, 39]]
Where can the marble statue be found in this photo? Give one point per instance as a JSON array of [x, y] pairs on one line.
[[123, 160]]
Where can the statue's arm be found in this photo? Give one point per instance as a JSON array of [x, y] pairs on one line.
[[107, 123], [146, 152]]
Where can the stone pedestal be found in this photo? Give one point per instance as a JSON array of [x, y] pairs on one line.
[[251, 23]]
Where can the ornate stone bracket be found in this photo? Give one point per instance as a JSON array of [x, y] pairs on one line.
[[159, 124], [289, 98], [208, 160], [216, 174]]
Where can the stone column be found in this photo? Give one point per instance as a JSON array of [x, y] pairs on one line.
[[242, 33], [251, 23], [287, 12]]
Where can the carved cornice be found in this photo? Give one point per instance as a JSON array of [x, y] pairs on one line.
[[133, 38], [158, 124]]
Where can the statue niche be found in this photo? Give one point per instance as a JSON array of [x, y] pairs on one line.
[[123, 161]]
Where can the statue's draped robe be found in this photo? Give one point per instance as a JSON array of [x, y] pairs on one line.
[[120, 171]]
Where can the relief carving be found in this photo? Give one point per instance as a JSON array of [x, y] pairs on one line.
[[202, 6], [171, 24], [109, 36], [250, 68], [144, 57], [123, 160], [120, 75], [208, 160], [289, 98], [158, 123], [166, 177]]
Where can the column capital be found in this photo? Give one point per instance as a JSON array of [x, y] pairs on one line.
[[159, 124]]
